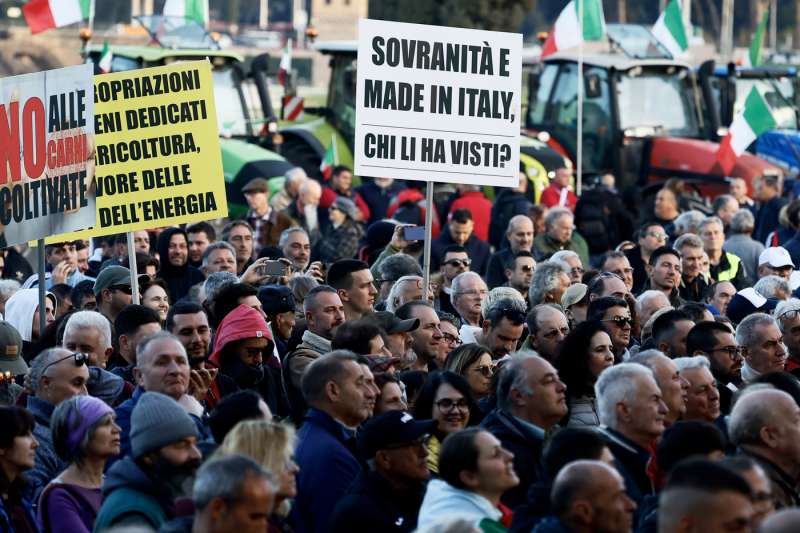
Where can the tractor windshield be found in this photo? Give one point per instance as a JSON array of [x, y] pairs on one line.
[[342, 94], [232, 118], [655, 101], [779, 94]]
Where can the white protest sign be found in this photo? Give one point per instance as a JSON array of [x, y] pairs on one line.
[[438, 104]]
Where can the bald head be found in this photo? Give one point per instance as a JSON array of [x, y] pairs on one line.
[[520, 233], [784, 521]]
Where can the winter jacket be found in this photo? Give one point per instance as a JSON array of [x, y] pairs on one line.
[[551, 197], [477, 250], [631, 462], [242, 323], [525, 442], [767, 218], [9, 507], [340, 243], [372, 505], [634, 256], [729, 268], [179, 279], [48, 464], [544, 246], [481, 208], [378, 199], [329, 196], [328, 466], [583, 412], [413, 199], [294, 366], [507, 204], [443, 501], [749, 250], [107, 386], [535, 507], [129, 494]]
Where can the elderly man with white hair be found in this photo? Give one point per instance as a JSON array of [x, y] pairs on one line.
[[702, 400], [787, 314], [404, 290], [295, 177], [550, 281], [571, 263], [765, 426], [774, 287], [649, 302], [305, 212], [89, 332], [560, 235], [469, 292], [632, 414], [762, 346]]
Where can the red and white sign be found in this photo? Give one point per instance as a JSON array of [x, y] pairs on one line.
[[292, 108]]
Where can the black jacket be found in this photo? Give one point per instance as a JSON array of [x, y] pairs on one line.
[[784, 488], [179, 279], [477, 251], [526, 447], [496, 268], [372, 505], [535, 508], [631, 462], [507, 205]]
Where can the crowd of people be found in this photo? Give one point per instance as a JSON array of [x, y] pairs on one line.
[[295, 374]]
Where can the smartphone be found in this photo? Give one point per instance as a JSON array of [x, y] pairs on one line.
[[272, 268], [414, 233]]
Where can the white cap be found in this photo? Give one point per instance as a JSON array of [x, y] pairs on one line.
[[776, 257]]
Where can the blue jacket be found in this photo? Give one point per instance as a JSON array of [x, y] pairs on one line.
[[5, 519], [327, 469], [48, 464], [551, 524]]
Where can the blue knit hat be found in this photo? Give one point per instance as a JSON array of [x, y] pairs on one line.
[[157, 421]]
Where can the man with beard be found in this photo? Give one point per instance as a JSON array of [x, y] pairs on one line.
[[616, 316], [296, 247], [716, 342], [200, 235], [139, 490], [242, 344], [189, 323], [664, 273], [762, 346], [502, 328], [353, 281], [428, 337], [173, 249], [398, 337], [278, 305], [133, 323], [324, 313]]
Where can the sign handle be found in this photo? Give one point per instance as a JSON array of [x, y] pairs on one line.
[[426, 268], [42, 287], [132, 267]]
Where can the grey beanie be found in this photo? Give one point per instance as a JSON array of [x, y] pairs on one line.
[[157, 421]]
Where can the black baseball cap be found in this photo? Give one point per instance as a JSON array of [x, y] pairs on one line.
[[391, 324], [391, 429], [276, 299]]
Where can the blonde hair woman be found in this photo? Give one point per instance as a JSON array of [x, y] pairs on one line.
[[272, 445]]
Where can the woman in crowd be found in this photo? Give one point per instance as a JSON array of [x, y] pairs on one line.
[[155, 295], [17, 454], [344, 233], [85, 436], [392, 396], [447, 398], [272, 446], [585, 353], [474, 363]]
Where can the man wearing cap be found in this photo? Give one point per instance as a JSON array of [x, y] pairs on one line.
[[267, 223], [342, 236], [140, 489], [775, 261], [398, 336], [11, 351], [112, 288], [575, 303], [388, 497], [278, 305]]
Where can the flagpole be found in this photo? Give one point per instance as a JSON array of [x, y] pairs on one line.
[[579, 154], [335, 152]]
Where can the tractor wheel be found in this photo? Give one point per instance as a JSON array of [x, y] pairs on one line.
[[300, 154]]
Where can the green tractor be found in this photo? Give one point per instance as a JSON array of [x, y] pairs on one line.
[[242, 135], [305, 142]]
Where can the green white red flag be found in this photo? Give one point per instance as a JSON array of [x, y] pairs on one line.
[[105, 59], [567, 31], [196, 10], [670, 30], [286, 62], [753, 120], [328, 161], [756, 51], [42, 15]]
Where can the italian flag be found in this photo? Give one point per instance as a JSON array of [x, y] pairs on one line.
[[41, 15], [670, 31], [105, 59], [196, 10], [286, 63], [328, 161], [751, 122], [753, 58], [566, 31]]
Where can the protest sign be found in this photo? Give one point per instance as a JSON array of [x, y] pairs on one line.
[[46, 154], [438, 104], [158, 154]]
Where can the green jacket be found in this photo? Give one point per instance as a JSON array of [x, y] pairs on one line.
[[544, 246], [131, 497]]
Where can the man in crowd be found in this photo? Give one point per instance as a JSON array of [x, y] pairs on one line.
[[55, 375], [787, 314], [519, 272], [670, 331], [664, 273], [510, 202], [134, 323], [324, 313], [459, 232], [189, 323], [200, 235], [767, 192], [694, 281], [89, 332], [341, 183], [531, 400], [388, 496], [762, 346], [547, 329], [724, 207], [267, 223], [353, 282], [62, 265], [404, 290], [455, 261], [305, 211], [548, 284], [725, 266], [139, 490], [606, 284], [473, 199], [520, 238], [648, 303], [674, 388], [295, 177], [557, 194], [112, 289], [765, 425], [239, 234], [775, 261], [219, 257], [716, 342], [618, 263], [469, 291], [427, 338], [719, 295], [571, 263], [560, 235], [651, 236], [339, 400], [502, 328], [616, 315], [702, 402], [296, 247], [632, 410], [278, 305], [173, 249]]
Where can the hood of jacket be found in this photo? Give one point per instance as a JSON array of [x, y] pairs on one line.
[[105, 385], [244, 322], [126, 473], [20, 309], [168, 268], [442, 500]]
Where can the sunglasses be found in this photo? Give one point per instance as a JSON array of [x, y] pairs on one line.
[[620, 321], [458, 263], [732, 351], [121, 288], [79, 357]]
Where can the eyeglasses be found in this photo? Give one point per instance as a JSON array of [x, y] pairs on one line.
[[620, 321], [623, 271], [657, 235], [458, 263], [446, 404], [451, 339], [578, 271], [732, 351], [121, 288], [80, 360], [485, 370]]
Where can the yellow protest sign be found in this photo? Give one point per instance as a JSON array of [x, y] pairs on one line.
[[157, 153]]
